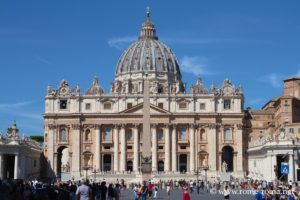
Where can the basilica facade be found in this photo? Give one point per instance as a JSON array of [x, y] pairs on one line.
[[149, 110]]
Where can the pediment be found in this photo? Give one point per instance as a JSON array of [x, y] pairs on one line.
[[138, 109]]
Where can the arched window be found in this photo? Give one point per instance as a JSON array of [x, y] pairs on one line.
[[227, 134], [87, 159], [63, 134], [107, 134], [202, 134], [88, 135], [129, 134], [182, 134], [160, 134]]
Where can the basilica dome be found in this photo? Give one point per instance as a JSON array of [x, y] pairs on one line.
[[148, 56]]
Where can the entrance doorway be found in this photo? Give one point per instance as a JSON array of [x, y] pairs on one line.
[[161, 166], [129, 166], [107, 162], [8, 166], [227, 156], [63, 164], [182, 163]]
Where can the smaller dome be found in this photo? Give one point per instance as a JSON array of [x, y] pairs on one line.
[[95, 88]]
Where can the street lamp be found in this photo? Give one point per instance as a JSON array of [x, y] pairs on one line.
[[95, 172]]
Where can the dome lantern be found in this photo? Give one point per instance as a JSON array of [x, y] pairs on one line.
[[148, 29]]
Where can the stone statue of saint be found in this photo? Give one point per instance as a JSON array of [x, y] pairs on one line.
[[224, 166]]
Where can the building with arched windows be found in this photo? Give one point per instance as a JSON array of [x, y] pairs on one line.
[[150, 115]]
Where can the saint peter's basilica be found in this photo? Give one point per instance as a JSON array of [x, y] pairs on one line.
[[149, 113]]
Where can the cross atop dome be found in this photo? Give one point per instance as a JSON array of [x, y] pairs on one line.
[[148, 29]]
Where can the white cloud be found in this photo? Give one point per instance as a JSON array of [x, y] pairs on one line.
[[120, 42], [273, 79], [15, 105], [254, 101], [42, 60], [194, 65]]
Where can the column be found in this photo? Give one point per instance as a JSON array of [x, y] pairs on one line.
[[135, 148], [239, 142], [16, 167], [1, 166], [192, 148], [174, 147], [291, 175], [123, 149], [235, 162], [154, 147], [212, 147], [167, 148], [50, 150], [116, 149], [76, 150], [98, 148]]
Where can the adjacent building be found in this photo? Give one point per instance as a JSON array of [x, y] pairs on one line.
[[20, 157], [274, 133]]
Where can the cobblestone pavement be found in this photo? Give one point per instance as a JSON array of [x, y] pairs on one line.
[[177, 195]]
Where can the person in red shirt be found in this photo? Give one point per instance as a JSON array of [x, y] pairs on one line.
[[186, 195]]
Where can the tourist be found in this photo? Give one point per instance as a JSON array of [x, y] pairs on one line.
[[168, 191], [144, 191], [258, 195], [226, 192], [83, 191], [110, 192], [155, 191], [186, 195], [103, 190]]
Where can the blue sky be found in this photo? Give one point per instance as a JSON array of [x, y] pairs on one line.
[[254, 43]]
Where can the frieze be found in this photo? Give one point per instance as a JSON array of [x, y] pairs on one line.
[[76, 126], [52, 126]]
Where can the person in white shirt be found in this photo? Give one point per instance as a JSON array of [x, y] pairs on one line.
[[226, 192]]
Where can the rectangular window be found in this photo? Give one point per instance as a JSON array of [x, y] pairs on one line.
[[182, 147], [182, 105], [106, 147], [87, 106], [227, 104], [160, 147], [129, 105], [107, 134], [63, 104], [107, 106], [129, 147], [161, 105], [227, 134], [291, 130], [202, 106]]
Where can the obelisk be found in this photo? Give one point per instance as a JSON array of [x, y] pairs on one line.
[[146, 139]]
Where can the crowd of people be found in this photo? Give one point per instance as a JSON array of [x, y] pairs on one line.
[[89, 190]]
